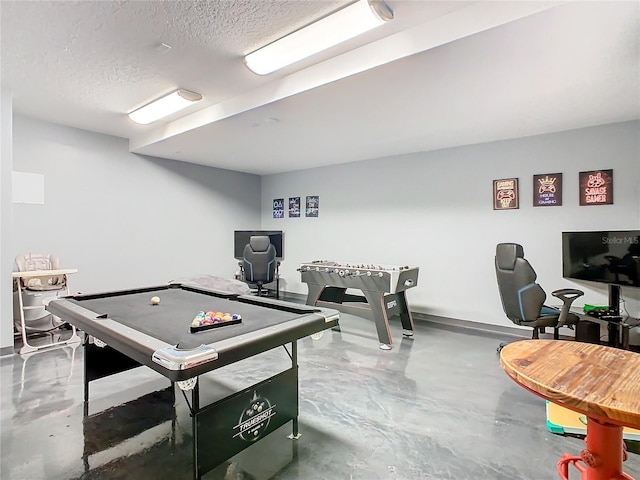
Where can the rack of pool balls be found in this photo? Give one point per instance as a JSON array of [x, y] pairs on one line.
[[206, 321]]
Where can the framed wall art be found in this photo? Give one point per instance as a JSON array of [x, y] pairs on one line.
[[278, 208], [312, 206], [505, 194], [294, 207], [596, 187], [547, 190]]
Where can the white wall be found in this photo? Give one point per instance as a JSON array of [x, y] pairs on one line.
[[125, 220], [122, 219], [434, 210]]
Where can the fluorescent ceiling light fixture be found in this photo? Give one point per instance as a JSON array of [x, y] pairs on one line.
[[351, 21], [164, 106]]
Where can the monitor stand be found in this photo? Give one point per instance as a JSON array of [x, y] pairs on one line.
[[614, 299], [618, 330]]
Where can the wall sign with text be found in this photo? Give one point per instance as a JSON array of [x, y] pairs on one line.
[[278, 208], [596, 187], [547, 190], [312, 206], [505, 194], [294, 207]]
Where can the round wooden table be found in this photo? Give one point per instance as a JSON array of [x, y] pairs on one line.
[[600, 382]]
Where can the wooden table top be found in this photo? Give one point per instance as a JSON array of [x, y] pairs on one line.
[[600, 382]]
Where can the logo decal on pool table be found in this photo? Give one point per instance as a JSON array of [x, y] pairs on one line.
[[254, 419]]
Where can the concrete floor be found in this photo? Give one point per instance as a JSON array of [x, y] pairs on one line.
[[437, 406]]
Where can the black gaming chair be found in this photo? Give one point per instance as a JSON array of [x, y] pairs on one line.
[[259, 264], [523, 299]]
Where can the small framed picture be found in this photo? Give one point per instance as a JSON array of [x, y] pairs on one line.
[[312, 206], [278, 208], [505, 194], [547, 190], [294, 207], [596, 187]]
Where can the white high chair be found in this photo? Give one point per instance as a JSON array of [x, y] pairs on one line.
[[38, 281]]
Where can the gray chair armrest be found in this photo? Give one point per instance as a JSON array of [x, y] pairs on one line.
[[567, 295]]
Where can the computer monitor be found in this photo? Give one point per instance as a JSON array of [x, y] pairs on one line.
[[611, 257], [608, 257], [241, 239]]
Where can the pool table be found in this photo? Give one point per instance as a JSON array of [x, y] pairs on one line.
[[125, 329]]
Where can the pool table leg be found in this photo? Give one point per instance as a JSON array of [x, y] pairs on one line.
[[294, 363], [85, 372], [195, 407]]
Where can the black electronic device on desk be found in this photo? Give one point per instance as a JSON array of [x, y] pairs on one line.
[[241, 239], [601, 313], [617, 327]]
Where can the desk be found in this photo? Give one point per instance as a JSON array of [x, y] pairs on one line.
[[158, 336], [598, 381], [618, 330], [22, 279]]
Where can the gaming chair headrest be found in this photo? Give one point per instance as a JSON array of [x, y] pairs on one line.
[[259, 243], [507, 254]]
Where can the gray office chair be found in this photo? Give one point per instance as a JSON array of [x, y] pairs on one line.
[[523, 299], [259, 265]]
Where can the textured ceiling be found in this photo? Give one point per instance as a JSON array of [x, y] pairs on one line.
[[101, 58], [440, 74]]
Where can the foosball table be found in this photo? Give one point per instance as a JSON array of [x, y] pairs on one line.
[[383, 292]]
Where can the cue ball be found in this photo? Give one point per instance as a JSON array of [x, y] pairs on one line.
[[155, 300]]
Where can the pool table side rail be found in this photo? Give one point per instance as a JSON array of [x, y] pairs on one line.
[[141, 347], [188, 287], [133, 343], [283, 305]]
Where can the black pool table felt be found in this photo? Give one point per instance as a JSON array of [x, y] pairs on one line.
[[171, 319]]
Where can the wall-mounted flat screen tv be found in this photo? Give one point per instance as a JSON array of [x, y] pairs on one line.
[[611, 257], [241, 239]]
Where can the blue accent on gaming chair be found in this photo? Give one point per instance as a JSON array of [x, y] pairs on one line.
[[523, 299], [259, 264]]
